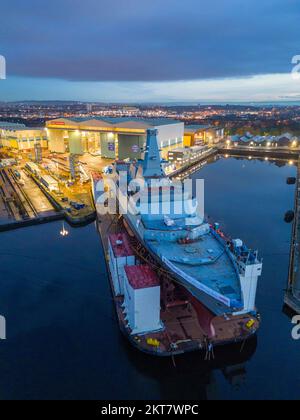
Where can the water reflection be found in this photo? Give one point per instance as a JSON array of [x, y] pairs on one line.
[[189, 376]]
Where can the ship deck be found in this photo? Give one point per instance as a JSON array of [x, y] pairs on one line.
[[182, 330], [212, 265]]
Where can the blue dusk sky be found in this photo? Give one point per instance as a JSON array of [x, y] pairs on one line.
[[150, 50]]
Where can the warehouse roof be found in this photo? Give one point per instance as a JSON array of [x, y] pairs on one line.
[[11, 126], [27, 128], [138, 123], [195, 128]]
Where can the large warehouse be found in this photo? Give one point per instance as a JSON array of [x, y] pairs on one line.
[[195, 135], [20, 137], [112, 138]]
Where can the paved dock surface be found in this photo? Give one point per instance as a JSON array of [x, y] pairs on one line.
[[38, 199], [22, 203]]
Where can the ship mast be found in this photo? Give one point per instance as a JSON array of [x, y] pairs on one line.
[[152, 164]]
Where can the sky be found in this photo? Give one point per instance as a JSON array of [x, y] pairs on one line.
[[150, 50]]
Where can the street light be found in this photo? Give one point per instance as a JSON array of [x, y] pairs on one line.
[[64, 232]]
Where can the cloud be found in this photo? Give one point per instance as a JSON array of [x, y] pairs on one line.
[[134, 40], [264, 88]]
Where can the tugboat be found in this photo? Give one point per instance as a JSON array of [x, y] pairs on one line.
[[179, 283]]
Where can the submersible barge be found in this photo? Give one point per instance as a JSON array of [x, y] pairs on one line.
[[179, 285]]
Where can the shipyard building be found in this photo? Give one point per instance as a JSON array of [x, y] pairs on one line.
[[111, 138], [197, 135], [19, 137]]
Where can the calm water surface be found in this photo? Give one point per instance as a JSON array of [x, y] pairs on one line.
[[62, 338]]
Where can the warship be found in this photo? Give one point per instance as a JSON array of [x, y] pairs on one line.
[[179, 283]]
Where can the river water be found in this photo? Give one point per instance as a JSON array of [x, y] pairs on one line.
[[63, 341]]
